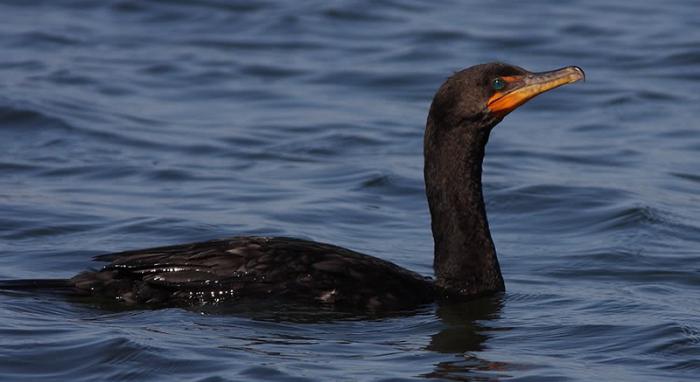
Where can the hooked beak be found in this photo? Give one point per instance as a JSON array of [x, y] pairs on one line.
[[522, 88]]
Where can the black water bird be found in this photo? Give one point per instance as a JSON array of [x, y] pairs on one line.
[[464, 110]]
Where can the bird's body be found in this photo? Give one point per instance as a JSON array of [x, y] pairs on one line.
[[463, 112], [273, 268]]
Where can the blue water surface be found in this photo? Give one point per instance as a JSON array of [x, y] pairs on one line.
[[128, 124]]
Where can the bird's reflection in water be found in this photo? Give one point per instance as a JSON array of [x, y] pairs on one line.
[[465, 330], [465, 333]]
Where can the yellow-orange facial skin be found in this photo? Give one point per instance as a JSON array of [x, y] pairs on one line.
[[520, 89]]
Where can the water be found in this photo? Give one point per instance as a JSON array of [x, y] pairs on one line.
[[127, 124]]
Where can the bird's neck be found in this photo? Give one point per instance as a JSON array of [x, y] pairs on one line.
[[465, 257]]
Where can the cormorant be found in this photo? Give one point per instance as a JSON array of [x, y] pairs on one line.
[[464, 110]]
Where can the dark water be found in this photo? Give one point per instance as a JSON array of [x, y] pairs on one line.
[[126, 124]]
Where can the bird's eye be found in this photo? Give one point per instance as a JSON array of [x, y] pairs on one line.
[[498, 84]]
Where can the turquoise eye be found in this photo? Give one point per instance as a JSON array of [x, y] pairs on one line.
[[498, 84]]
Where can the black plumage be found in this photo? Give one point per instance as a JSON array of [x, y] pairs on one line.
[[276, 268], [463, 112]]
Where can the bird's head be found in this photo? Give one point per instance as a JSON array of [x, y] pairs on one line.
[[483, 94]]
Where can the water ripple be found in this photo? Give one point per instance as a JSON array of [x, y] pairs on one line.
[[127, 124]]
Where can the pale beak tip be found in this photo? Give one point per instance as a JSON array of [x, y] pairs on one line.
[[581, 73]]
